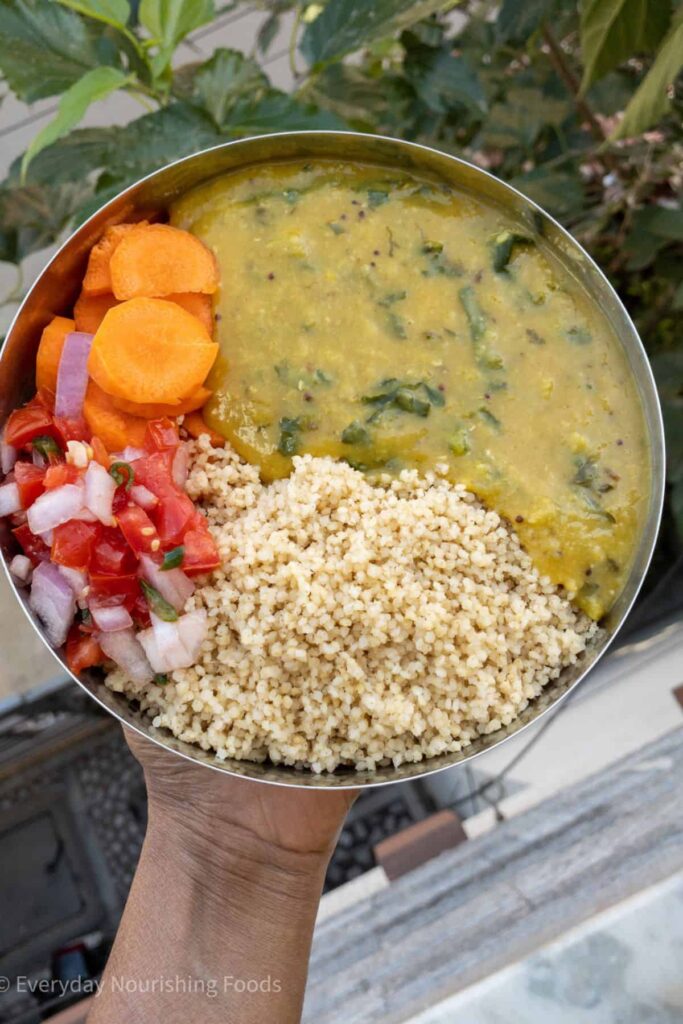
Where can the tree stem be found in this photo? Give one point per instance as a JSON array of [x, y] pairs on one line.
[[572, 83]]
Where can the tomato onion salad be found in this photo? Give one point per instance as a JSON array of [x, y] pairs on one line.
[[107, 542]]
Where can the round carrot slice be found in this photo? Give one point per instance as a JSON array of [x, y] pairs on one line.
[[154, 412], [114, 428], [197, 304], [97, 280], [90, 309], [150, 351], [50, 352], [156, 260]]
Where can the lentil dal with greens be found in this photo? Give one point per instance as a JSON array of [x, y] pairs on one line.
[[393, 322]]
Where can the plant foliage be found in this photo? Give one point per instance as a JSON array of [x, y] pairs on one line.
[[577, 104]]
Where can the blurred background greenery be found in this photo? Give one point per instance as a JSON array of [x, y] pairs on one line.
[[578, 105]]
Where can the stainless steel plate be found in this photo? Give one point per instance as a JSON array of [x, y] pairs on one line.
[[58, 285]]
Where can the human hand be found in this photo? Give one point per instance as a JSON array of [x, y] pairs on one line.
[[212, 804]]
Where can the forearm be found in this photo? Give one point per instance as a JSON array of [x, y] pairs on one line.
[[216, 928]]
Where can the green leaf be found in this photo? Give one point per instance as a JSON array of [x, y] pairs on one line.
[[34, 216], [441, 81], [614, 30], [651, 102], [278, 112], [45, 48], [169, 22], [518, 19], [111, 12], [556, 191], [94, 85], [70, 159], [347, 25], [158, 138], [224, 79]]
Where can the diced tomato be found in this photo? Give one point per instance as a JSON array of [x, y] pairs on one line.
[[70, 430], [161, 436], [61, 473], [110, 590], [201, 553], [32, 420], [138, 529], [172, 516], [82, 651], [111, 555], [33, 547], [30, 480], [100, 453], [175, 510], [72, 544], [154, 472], [140, 612]]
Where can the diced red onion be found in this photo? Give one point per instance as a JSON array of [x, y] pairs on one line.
[[54, 507], [99, 492], [110, 618], [10, 501], [123, 647], [130, 454], [173, 585], [76, 579], [180, 466], [72, 375], [193, 627], [37, 459], [86, 516], [143, 497], [8, 456], [21, 567], [52, 600], [173, 645], [48, 537]]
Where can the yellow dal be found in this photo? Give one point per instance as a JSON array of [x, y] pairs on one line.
[[360, 316]]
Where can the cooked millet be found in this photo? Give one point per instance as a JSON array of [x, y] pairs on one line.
[[358, 623]]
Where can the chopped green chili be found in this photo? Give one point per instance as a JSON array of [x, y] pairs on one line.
[[391, 297], [396, 325], [173, 558], [459, 442], [290, 430], [476, 318], [48, 448], [355, 433], [502, 248], [396, 394], [123, 474], [377, 196], [158, 604], [473, 311], [489, 418], [579, 335]]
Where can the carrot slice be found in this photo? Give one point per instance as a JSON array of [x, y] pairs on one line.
[[156, 411], [50, 352], [90, 309], [197, 304], [156, 260], [97, 280], [114, 428], [195, 425], [150, 350]]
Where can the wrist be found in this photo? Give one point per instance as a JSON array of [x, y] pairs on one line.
[[217, 855]]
